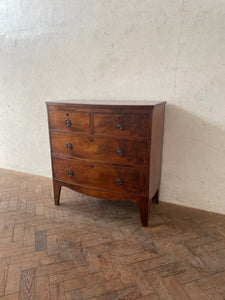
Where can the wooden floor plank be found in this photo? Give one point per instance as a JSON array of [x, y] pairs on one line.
[[10, 297], [57, 291], [18, 234], [40, 240], [27, 285], [195, 292], [74, 295], [144, 285], [96, 249], [4, 265], [13, 280], [42, 291]]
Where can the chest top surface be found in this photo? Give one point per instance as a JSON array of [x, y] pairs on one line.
[[104, 103]]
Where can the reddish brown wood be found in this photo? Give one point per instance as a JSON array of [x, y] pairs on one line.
[[143, 202], [57, 189], [144, 208], [80, 121], [134, 124], [112, 195], [101, 176], [101, 148], [90, 163], [104, 105]]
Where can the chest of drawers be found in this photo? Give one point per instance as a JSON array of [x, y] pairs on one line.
[[107, 150]]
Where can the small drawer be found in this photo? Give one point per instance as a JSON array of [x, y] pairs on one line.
[[69, 121], [121, 124], [100, 148], [100, 176]]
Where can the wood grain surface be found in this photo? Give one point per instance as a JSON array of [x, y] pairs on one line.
[[134, 152], [97, 250]]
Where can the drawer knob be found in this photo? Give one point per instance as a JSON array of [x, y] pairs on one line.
[[69, 146], [119, 152], [119, 125], [68, 122], [70, 172], [118, 181], [91, 139]]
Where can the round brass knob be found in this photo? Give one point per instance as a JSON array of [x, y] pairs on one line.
[[118, 181], [70, 172], [91, 139], [119, 125], [68, 122], [119, 152], [69, 146]]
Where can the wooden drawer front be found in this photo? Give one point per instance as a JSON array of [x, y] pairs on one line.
[[69, 121], [100, 176], [99, 148], [121, 124]]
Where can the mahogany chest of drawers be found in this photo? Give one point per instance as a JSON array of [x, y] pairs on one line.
[[111, 151]]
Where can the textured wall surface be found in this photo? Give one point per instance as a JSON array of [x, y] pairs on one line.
[[137, 50]]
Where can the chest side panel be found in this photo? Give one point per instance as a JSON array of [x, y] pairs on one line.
[[157, 130]]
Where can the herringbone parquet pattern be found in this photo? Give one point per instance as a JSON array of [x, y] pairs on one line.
[[97, 249]]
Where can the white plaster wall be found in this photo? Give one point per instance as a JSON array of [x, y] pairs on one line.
[[116, 49]]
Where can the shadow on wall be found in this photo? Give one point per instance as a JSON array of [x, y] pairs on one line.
[[193, 172]]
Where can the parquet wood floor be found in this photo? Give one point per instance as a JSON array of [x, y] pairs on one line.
[[98, 250]]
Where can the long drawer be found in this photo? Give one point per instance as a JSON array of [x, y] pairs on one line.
[[121, 124], [69, 121], [100, 176], [116, 150]]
